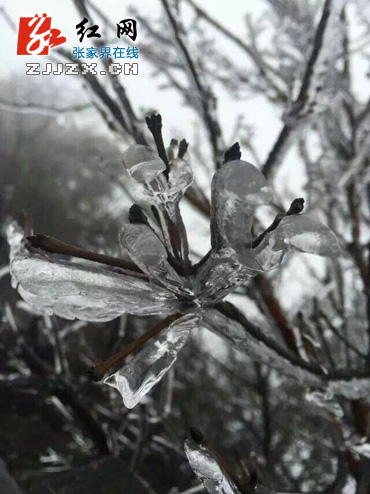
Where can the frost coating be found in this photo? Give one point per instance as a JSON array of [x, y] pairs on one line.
[[362, 448], [353, 389], [324, 75], [136, 378], [236, 334], [325, 400], [206, 467]]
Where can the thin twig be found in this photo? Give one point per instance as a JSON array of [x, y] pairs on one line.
[[55, 246], [213, 128], [99, 371], [282, 140]]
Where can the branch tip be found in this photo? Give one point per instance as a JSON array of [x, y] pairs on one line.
[[196, 435], [183, 147], [296, 207], [136, 215], [232, 153], [154, 124]]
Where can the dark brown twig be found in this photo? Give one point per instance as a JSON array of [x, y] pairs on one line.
[[295, 208], [154, 123], [55, 246], [98, 372]]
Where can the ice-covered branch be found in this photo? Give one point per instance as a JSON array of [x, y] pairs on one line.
[[312, 83]]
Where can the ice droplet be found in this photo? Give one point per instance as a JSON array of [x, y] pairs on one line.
[[136, 378], [353, 389], [142, 163], [206, 467]]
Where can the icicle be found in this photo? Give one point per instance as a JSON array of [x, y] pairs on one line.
[[137, 377]]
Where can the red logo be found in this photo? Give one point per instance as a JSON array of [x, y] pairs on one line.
[[35, 36]]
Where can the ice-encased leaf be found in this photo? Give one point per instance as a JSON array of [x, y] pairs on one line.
[[143, 245], [302, 233], [73, 290], [296, 232], [206, 467], [180, 176], [237, 188], [149, 253], [142, 163], [267, 255], [137, 377]]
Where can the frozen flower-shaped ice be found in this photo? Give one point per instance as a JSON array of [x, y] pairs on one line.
[[162, 176], [160, 279], [237, 189], [156, 182]]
